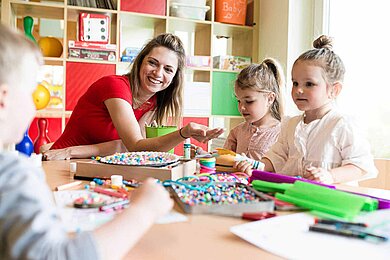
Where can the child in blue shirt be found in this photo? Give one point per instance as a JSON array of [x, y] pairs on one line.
[[29, 224]]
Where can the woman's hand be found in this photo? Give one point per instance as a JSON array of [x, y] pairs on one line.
[[57, 154], [200, 132]]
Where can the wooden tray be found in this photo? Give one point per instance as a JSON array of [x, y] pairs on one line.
[[94, 169]]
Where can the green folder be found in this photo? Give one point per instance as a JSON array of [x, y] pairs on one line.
[[331, 202], [266, 186]]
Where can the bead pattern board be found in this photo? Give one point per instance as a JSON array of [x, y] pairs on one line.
[[220, 198], [76, 220], [141, 159]]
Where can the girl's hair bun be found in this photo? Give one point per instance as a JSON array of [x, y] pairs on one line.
[[323, 42]]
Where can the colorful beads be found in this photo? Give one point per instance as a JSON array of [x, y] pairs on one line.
[[224, 177], [140, 158], [219, 194], [89, 200]]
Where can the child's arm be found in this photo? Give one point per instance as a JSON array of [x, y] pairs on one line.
[[231, 141], [268, 167], [341, 174], [147, 204]]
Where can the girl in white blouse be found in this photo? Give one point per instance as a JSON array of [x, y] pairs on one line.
[[321, 144]]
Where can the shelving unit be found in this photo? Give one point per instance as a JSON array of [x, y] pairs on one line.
[[134, 29]]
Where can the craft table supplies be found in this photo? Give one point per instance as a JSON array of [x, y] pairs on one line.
[[207, 165], [227, 156], [219, 198], [239, 177], [110, 192], [68, 185], [141, 158], [72, 169], [187, 149], [117, 180], [347, 231], [216, 194], [89, 200], [114, 206]]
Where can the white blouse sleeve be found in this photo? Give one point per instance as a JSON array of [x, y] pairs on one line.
[[278, 153], [354, 147]]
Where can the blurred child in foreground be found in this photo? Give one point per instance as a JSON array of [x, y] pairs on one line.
[[30, 227]]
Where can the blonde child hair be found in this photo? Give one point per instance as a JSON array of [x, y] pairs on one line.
[[10, 46], [323, 56], [265, 77]]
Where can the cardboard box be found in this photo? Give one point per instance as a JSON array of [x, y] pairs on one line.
[[228, 62], [92, 51], [94, 28], [82, 53], [96, 169], [92, 46], [145, 6]]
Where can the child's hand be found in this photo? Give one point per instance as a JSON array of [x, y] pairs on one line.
[[152, 198], [319, 174], [196, 150], [244, 166]]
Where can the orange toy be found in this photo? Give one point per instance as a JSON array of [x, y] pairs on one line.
[[41, 97], [50, 46]]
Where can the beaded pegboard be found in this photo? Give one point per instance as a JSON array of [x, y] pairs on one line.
[[219, 198]]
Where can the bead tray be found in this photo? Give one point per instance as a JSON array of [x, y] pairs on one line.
[[236, 209], [95, 169]]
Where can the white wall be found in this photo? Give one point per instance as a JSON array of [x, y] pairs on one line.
[[288, 28]]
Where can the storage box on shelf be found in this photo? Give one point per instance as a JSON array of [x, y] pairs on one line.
[[132, 24], [190, 11]]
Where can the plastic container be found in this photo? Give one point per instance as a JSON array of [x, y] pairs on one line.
[[152, 131], [191, 2], [190, 11], [187, 149], [230, 11]]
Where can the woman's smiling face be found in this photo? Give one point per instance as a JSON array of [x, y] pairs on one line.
[[158, 69]]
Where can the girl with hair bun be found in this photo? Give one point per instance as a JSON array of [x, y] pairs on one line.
[[322, 144]]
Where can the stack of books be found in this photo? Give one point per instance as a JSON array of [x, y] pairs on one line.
[[104, 4], [92, 51]]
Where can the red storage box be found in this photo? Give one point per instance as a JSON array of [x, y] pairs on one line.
[[230, 11], [145, 6]]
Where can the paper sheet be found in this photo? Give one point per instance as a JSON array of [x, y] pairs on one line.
[[77, 220], [288, 236]]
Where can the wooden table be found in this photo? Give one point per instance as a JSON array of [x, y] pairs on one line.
[[201, 237]]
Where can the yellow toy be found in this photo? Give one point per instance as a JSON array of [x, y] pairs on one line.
[[225, 160], [41, 97]]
